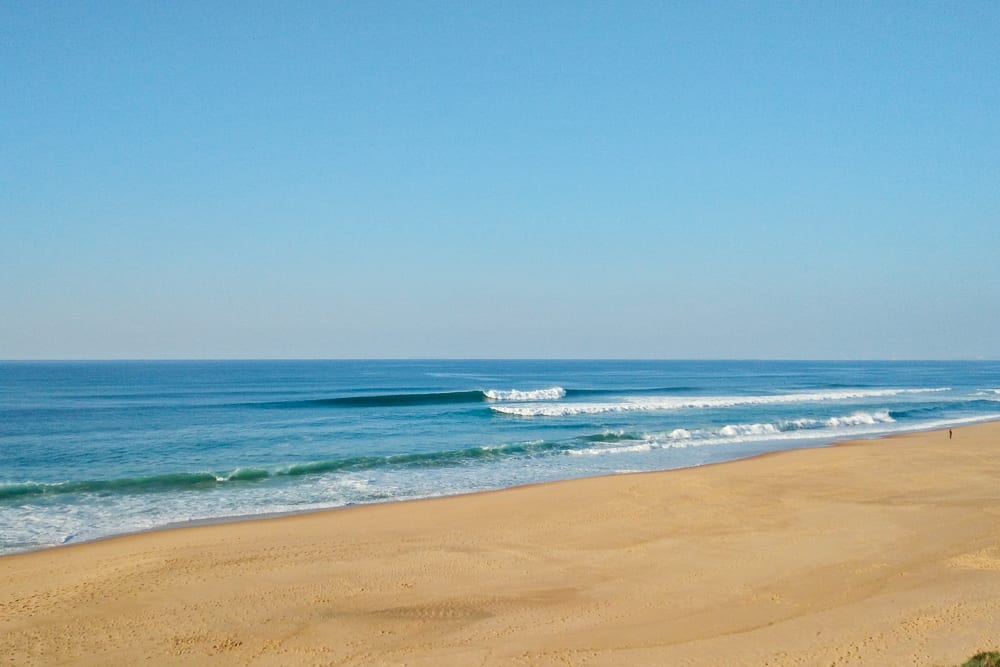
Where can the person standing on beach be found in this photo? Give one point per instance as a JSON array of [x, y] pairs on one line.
[[949, 434]]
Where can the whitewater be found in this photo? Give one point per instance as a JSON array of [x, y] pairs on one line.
[[93, 449]]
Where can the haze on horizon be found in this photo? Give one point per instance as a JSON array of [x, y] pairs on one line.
[[358, 180]]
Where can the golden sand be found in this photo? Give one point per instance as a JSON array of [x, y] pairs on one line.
[[881, 552]]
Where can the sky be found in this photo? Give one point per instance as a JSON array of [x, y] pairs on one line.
[[815, 180]]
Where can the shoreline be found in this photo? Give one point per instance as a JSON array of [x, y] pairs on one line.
[[270, 516], [737, 559]]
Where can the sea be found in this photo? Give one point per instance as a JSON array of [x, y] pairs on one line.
[[94, 449]]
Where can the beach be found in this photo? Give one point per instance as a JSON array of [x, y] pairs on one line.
[[881, 551]]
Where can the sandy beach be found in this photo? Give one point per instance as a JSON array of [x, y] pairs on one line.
[[875, 552]]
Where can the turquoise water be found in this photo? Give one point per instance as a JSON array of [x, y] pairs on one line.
[[90, 449]]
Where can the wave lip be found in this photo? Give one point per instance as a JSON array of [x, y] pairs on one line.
[[150, 484], [384, 400], [550, 394], [662, 403]]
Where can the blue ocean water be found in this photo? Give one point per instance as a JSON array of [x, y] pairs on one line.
[[91, 449]]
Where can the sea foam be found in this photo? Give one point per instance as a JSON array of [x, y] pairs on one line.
[[646, 404], [550, 394], [804, 429]]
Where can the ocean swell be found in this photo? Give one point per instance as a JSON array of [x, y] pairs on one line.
[[422, 398], [19, 492]]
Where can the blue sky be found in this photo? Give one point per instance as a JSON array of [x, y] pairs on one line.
[[376, 179]]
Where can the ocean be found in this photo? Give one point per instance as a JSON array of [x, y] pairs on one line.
[[93, 449]]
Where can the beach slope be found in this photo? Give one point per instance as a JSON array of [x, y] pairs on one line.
[[873, 552]]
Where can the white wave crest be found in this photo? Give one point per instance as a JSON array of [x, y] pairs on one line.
[[848, 426], [645, 446], [693, 402], [736, 430], [861, 418], [550, 394]]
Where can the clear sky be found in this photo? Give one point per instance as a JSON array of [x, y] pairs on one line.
[[499, 179]]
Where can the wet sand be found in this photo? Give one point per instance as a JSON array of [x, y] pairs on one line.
[[874, 552]]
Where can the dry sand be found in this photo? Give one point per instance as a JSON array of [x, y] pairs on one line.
[[882, 552]]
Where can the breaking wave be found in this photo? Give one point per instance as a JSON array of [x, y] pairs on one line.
[[551, 394], [833, 427], [425, 398], [662, 403]]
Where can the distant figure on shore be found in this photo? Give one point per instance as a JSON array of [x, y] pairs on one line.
[[949, 434]]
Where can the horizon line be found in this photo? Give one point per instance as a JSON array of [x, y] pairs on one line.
[[581, 359]]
